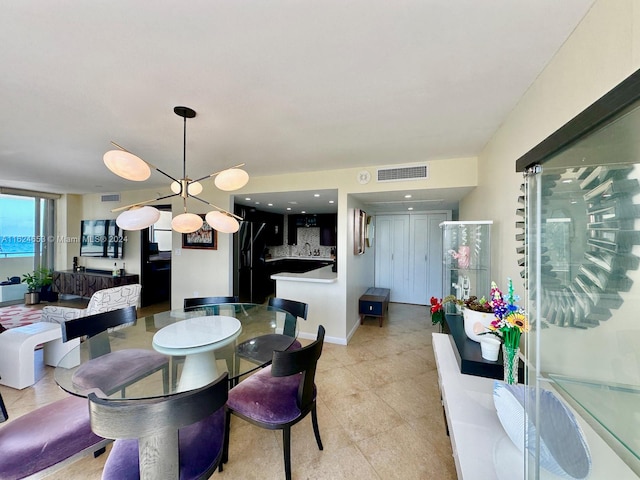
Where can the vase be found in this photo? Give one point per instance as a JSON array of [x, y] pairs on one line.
[[471, 317], [510, 361]]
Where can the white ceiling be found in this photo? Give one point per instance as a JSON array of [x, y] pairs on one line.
[[284, 86]]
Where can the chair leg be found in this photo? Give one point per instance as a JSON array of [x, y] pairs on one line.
[[225, 444], [286, 443], [316, 430]]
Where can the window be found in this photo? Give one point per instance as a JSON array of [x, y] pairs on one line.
[[27, 234]]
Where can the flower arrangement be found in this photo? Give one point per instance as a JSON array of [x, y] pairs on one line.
[[510, 321], [437, 308]]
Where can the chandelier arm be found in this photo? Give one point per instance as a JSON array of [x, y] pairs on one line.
[[137, 204], [151, 165], [216, 173], [217, 208]]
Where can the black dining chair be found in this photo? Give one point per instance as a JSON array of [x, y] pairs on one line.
[[112, 371], [47, 439], [295, 308], [280, 395], [259, 349], [193, 421], [209, 302]]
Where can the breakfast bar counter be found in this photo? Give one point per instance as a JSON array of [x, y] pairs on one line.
[[319, 275]]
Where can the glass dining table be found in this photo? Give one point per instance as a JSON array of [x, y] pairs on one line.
[[254, 332], [200, 344]]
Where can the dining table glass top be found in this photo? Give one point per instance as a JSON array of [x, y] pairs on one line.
[[203, 341]]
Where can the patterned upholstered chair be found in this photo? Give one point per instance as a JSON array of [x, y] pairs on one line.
[[101, 301]]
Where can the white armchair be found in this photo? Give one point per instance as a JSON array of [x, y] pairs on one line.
[[101, 301]]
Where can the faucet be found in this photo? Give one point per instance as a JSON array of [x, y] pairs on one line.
[[307, 248]]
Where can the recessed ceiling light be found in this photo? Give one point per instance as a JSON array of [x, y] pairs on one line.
[[270, 204], [289, 208], [257, 203], [248, 198], [316, 194], [410, 208], [331, 201], [407, 196], [303, 211]]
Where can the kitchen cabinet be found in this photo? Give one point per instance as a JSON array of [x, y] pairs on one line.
[[328, 224], [274, 225]]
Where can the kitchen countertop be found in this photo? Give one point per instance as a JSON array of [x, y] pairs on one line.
[[319, 275], [296, 257]]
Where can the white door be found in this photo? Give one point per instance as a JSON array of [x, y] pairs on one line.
[[409, 256], [392, 256]]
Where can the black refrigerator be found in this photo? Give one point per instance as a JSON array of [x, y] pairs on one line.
[[252, 283]]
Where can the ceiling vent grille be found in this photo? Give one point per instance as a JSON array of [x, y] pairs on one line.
[[113, 197], [396, 174]]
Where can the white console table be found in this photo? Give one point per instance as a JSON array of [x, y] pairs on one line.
[[474, 428], [481, 448]]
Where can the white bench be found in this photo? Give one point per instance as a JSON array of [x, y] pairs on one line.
[[17, 346]]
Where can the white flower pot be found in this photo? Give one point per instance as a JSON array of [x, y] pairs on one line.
[[471, 317], [490, 347]]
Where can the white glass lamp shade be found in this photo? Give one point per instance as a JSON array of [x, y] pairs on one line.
[[138, 218], [194, 188], [127, 165], [231, 179], [222, 222], [186, 222]]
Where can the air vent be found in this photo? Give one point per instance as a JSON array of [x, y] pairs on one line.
[[114, 197], [402, 173]]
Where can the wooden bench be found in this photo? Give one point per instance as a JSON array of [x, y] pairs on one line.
[[374, 303]]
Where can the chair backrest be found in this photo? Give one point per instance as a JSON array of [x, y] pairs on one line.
[[92, 325], [121, 418], [295, 308], [205, 302], [4, 416], [114, 298], [299, 309], [201, 301], [302, 361]]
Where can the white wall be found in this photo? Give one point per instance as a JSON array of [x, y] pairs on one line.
[[601, 52]]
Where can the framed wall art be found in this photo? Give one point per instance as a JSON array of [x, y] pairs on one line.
[[205, 238]]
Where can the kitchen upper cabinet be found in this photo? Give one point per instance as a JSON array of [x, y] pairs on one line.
[[292, 229], [274, 224], [328, 224]]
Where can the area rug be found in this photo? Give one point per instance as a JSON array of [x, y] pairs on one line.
[[18, 315]]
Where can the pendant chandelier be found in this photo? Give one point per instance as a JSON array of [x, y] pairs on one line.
[[140, 215]]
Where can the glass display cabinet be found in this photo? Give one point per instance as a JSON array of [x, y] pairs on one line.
[[467, 260], [582, 253]]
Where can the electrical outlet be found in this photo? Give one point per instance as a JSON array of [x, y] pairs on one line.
[[177, 252]]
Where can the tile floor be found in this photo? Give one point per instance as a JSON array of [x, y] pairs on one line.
[[379, 413]]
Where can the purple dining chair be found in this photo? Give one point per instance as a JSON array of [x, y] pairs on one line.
[[280, 395]]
